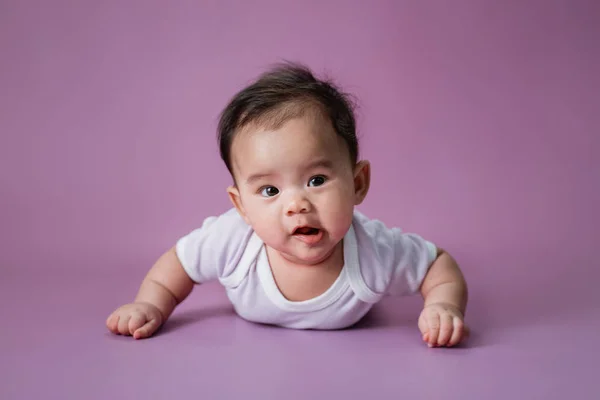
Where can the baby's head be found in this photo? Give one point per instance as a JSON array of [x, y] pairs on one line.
[[289, 142]]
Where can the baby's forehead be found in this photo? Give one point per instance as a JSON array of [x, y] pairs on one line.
[[312, 114], [305, 133], [299, 143], [311, 126]]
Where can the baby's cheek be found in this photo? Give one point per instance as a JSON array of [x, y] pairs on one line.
[[266, 229], [339, 217]]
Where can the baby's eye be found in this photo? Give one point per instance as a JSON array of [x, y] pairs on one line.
[[316, 180], [269, 191]]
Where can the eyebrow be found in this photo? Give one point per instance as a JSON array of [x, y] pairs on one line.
[[321, 163], [256, 177]]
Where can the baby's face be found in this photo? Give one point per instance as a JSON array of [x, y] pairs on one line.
[[296, 187]]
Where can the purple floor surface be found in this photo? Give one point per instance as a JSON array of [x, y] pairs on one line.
[[534, 337]]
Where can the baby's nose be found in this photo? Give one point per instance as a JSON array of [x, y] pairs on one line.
[[298, 205]]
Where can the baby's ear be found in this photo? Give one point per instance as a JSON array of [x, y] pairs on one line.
[[362, 181], [234, 196]]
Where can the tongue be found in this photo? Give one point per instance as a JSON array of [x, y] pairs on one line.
[[307, 231]]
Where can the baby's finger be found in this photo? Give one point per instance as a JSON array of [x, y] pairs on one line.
[[423, 325], [147, 330], [136, 322], [446, 329], [459, 332], [111, 322], [124, 324], [433, 322]]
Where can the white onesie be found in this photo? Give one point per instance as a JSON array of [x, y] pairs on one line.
[[378, 261]]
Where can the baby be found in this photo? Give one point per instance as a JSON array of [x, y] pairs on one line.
[[293, 251]]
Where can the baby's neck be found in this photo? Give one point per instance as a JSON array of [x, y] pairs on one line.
[[298, 282]]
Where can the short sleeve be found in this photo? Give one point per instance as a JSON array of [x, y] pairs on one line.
[[213, 250], [392, 262], [413, 256]]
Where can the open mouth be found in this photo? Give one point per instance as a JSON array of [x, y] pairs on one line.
[[306, 230], [309, 235]]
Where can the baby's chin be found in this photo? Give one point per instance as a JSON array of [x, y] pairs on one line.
[[309, 257]]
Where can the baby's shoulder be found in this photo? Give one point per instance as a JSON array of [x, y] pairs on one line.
[[373, 232], [227, 231], [229, 220], [214, 249], [386, 252]]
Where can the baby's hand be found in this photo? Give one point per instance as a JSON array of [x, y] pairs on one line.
[[139, 320], [442, 325]]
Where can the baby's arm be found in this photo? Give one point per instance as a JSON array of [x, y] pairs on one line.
[[164, 287], [445, 293]]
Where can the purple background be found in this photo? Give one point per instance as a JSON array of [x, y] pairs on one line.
[[481, 119]]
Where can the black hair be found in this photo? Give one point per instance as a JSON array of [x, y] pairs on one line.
[[284, 92]]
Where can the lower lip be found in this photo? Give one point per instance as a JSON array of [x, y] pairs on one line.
[[310, 239]]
